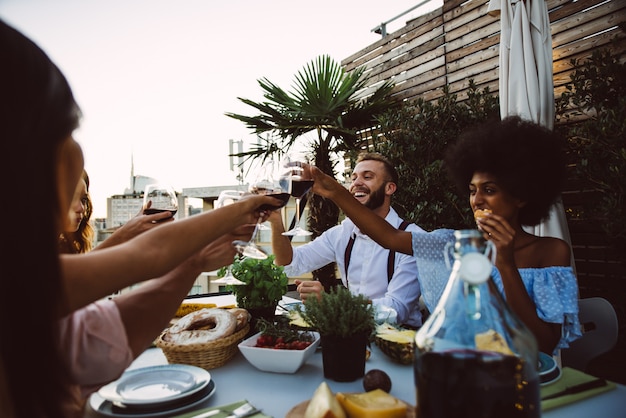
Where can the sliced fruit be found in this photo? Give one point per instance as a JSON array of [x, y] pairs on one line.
[[324, 404], [188, 307], [396, 343], [492, 341], [295, 319]]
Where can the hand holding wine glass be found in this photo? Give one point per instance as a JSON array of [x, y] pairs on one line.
[[268, 182], [265, 184], [158, 198], [300, 182]]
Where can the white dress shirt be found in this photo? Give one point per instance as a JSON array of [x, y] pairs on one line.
[[367, 273]]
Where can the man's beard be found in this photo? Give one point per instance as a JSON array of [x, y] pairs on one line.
[[376, 198]]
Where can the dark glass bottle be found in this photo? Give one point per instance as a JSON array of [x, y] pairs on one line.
[[473, 356]]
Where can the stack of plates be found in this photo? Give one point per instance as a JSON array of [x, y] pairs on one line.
[[154, 391]]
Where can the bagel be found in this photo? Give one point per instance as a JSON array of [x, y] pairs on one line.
[[208, 324], [242, 315]]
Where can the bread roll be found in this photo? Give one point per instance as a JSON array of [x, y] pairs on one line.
[[481, 213]]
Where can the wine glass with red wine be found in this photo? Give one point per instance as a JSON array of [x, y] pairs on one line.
[[300, 183], [159, 197]]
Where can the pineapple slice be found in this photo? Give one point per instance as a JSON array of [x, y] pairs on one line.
[[396, 343], [296, 319], [186, 308], [492, 341]]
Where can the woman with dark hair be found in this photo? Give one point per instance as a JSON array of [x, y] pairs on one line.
[[513, 171], [44, 163], [37, 116]]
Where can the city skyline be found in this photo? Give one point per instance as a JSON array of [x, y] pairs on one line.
[[154, 78]]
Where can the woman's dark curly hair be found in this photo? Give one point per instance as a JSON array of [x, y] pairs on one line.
[[527, 160]]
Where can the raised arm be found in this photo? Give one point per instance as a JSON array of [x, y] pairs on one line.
[[136, 225], [89, 277], [281, 245], [368, 222]]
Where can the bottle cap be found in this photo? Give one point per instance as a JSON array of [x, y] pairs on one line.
[[475, 268]]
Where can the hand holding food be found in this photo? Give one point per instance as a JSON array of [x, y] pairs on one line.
[[481, 213]]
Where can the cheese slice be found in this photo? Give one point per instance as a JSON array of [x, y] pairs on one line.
[[323, 404], [373, 404]]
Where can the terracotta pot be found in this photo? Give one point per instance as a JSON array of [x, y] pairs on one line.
[[343, 358]]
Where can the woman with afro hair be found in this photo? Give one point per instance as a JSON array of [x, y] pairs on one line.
[[512, 171]]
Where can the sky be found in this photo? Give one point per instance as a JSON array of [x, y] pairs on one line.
[[154, 78]]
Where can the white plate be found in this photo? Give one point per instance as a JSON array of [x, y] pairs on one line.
[[156, 385], [548, 370], [107, 408]]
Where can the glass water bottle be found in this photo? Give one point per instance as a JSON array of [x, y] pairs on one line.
[[473, 356]]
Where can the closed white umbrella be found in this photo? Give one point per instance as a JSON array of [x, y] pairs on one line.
[[526, 85], [526, 80]]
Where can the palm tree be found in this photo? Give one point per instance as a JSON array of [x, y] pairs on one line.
[[327, 101]]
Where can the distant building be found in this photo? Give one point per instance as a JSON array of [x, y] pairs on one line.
[[122, 207]]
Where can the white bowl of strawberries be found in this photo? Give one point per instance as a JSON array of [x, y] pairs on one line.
[[279, 353]]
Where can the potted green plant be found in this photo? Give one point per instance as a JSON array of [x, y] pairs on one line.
[[265, 283], [346, 324]]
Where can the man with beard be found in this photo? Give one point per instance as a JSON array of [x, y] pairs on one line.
[[388, 279]]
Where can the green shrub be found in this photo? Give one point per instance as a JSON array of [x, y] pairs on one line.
[[417, 136], [596, 95], [266, 283], [339, 313]]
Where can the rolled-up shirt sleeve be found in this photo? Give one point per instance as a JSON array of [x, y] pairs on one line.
[[317, 253], [95, 345]]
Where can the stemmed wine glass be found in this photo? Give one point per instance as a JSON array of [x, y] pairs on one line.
[[159, 197], [225, 198], [299, 184], [264, 183]]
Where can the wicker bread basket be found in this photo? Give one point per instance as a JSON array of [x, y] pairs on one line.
[[206, 355]]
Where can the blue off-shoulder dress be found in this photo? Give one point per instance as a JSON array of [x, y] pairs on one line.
[[554, 290]]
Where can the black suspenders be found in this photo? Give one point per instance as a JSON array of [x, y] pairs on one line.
[[390, 261]]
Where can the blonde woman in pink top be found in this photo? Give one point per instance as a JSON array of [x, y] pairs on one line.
[[104, 337]]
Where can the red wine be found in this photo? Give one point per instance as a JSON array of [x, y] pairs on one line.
[[300, 187], [284, 197], [473, 384], [151, 211]]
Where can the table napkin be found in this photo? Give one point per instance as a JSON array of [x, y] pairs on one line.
[[570, 377], [230, 407]]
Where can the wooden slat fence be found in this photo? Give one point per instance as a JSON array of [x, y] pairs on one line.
[[460, 41]]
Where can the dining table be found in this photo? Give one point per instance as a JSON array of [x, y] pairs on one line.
[[280, 394]]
